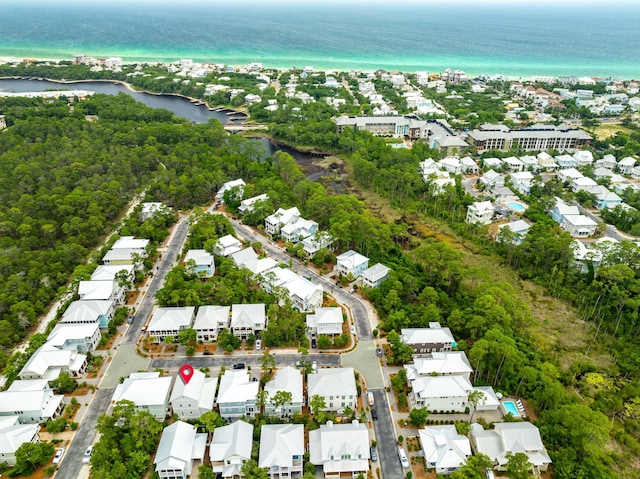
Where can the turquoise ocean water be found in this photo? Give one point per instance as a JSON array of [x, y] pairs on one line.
[[513, 38]]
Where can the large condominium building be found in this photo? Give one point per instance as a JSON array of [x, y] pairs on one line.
[[536, 137], [437, 132]]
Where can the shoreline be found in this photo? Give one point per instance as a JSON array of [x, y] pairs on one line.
[[130, 87], [407, 69]]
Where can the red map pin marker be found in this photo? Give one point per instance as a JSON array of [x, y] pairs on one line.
[[186, 373]]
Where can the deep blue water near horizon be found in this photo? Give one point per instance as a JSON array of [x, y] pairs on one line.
[[515, 40]]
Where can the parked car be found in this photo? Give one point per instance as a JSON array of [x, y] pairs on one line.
[[374, 454], [86, 459], [206, 352], [314, 367], [314, 343], [58, 457], [403, 458], [374, 414], [258, 344], [353, 330], [238, 366], [130, 320], [379, 352]]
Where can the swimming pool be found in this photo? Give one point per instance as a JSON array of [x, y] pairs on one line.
[[516, 206], [510, 407]]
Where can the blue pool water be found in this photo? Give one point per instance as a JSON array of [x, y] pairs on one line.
[[510, 407], [516, 206]]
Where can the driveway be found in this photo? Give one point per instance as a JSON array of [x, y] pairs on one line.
[[71, 466]]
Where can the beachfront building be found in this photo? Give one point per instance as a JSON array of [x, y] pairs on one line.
[[337, 386], [374, 276], [180, 445], [237, 394], [282, 450], [480, 212], [351, 263], [190, 400], [210, 320], [444, 449], [326, 321], [289, 380], [31, 401], [536, 137], [341, 449], [230, 448], [168, 322], [425, 341], [148, 391]]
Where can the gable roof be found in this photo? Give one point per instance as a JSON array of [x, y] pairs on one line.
[[86, 311], [105, 272], [286, 379], [375, 272], [176, 447], [144, 389], [13, 435], [433, 334], [199, 388], [248, 315], [209, 317], [236, 386], [96, 290], [331, 381], [425, 387], [444, 447], [171, 319], [199, 256], [48, 362], [64, 332], [236, 439], [279, 443], [447, 362], [129, 242], [332, 441], [351, 259]]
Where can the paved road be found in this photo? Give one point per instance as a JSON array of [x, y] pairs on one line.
[[71, 465], [249, 360], [363, 328], [387, 447], [165, 265]]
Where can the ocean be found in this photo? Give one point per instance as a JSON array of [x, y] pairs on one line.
[[513, 38]]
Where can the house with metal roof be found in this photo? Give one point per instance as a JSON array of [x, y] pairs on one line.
[[237, 394], [239, 184], [518, 230], [210, 320], [190, 400], [340, 449], [200, 262], [287, 379], [337, 386], [480, 212], [425, 341], [13, 435], [440, 393], [351, 262], [227, 245], [169, 322], [32, 401], [282, 450], [247, 319], [48, 362], [448, 363], [75, 337], [326, 321], [180, 445], [375, 275], [303, 293], [230, 448], [148, 391], [88, 312], [444, 449]]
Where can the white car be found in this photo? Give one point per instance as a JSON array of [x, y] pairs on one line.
[[86, 459], [403, 458], [58, 457], [258, 344], [314, 367]]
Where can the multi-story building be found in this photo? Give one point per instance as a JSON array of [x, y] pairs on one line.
[[536, 137]]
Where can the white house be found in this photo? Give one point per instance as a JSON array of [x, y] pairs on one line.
[[48, 362], [210, 320], [583, 184], [110, 272], [248, 205], [513, 164], [451, 164], [635, 173], [88, 312], [247, 319], [273, 223], [326, 321], [304, 294], [503, 194], [148, 391], [566, 161], [489, 400], [425, 341], [607, 161], [583, 157], [518, 230], [298, 230], [200, 262], [237, 394], [131, 243], [492, 163], [179, 446], [444, 449], [521, 181], [579, 226], [191, 400], [340, 449], [230, 448], [247, 258], [352, 263], [238, 184], [169, 322], [32, 401], [468, 166], [227, 245], [123, 256], [530, 162], [375, 275], [75, 337], [287, 379], [491, 179], [13, 435], [337, 386], [449, 363], [480, 212], [106, 290], [625, 165], [313, 244], [568, 175], [509, 438], [282, 450], [440, 393], [150, 209]]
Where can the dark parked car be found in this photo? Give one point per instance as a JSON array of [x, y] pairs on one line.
[[374, 454], [238, 366], [379, 352], [374, 414], [206, 352], [314, 343], [130, 320]]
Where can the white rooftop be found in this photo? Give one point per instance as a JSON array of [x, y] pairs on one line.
[[279, 443], [171, 318], [129, 242], [144, 389], [351, 259], [286, 379], [236, 386], [332, 381]]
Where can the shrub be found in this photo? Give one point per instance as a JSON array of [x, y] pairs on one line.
[[56, 425]]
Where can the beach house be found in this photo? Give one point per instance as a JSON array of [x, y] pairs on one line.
[[237, 394], [425, 341], [341, 449], [337, 386], [247, 319], [480, 212], [289, 380], [210, 320], [325, 321], [148, 391], [168, 322], [230, 448], [374, 276], [191, 399], [200, 263], [351, 263], [444, 449], [180, 445], [282, 450]]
